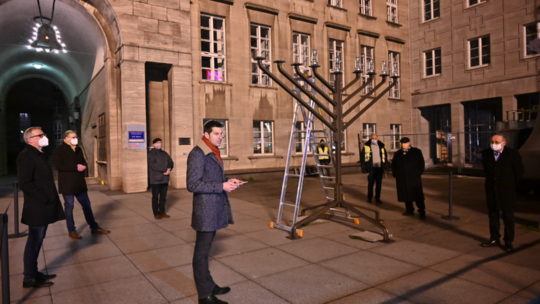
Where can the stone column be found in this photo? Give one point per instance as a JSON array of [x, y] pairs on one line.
[[458, 133], [134, 161]]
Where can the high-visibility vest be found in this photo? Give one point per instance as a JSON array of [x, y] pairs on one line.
[[323, 152], [367, 154]]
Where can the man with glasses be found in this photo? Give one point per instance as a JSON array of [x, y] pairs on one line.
[[41, 203], [69, 160]]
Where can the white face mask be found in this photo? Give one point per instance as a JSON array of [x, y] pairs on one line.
[[496, 147], [43, 142], [74, 141], [374, 141]]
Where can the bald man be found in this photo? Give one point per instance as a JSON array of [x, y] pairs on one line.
[[503, 170]]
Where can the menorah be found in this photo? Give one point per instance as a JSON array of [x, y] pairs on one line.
[[337, 119]]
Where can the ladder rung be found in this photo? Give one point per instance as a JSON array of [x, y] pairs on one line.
[[288, 204], [328, 177], [328, 188], [293, 175]]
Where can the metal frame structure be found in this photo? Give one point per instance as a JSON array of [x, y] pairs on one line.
[[339, 119]]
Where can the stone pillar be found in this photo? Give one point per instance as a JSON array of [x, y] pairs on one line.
[[509, 105], [458, 133], [133, 103]]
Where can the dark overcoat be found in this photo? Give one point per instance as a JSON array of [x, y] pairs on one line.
[[158, 162], [205, 178], [65, 160], [41, 202], [407, 168], [502, 177]]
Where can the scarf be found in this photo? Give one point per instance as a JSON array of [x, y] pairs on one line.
[[213, 148]]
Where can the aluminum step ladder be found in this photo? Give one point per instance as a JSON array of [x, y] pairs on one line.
[[311, 139]]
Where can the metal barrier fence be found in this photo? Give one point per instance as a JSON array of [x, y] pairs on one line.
[[16, 233], [4, 257]]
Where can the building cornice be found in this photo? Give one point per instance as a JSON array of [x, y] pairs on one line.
[[302, 18], [261, 8], [337, 26]]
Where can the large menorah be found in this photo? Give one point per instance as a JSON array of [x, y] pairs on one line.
[[337, 119]]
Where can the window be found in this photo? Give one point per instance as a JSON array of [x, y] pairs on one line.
[[260, 46], [335, 53], [212, 48], [300, 138], [301, 49], [392, 11], [479, 51], [432, 62], [335, 3], [474, 2], [532, 38], [431, 9], [396, 135], [367, 58], [368, 129], [224, 147], [393, 63], [365, 8], [262, 137]]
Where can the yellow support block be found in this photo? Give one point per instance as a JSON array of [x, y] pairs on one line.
[[356, 221], [271, 225]]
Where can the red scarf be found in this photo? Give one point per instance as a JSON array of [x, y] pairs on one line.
[[213, 148]]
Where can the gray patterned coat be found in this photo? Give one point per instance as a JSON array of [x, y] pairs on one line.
[[205, 178]]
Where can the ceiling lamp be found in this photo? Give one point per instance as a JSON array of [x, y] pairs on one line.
[[46, 37]]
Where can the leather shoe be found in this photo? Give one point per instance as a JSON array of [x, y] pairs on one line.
[[100, 230], [45, 277], [158, 216], [211, 300], [378, 201], [490, 243], [165, 215], [36, 283], [508, 247], [74, 235], [220, 290]]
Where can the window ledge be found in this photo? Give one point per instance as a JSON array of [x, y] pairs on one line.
[[475, 5], [431, 20], [337, 7], [235, 158], [431, 76], [101, 162], [264, 156], [395, 99], [300, 155], [367, 16], [254, 86], [477, 67], [224, 83], [394, 23], [530, 56]]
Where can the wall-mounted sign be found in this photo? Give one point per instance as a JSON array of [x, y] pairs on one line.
[[136, 136], [184, 141]]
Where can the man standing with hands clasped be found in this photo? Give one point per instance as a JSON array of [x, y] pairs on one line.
[[160, 165], [211, 208], [503, 170]]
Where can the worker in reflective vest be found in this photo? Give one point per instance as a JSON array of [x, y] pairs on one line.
[[373, 159], [324, 153]]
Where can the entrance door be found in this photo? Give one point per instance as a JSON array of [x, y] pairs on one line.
[[439, 129], [481, 117]]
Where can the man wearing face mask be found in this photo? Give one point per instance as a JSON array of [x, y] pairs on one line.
[[373, 160], [503, 170], [41, 203], [160, 165], [69, 160]]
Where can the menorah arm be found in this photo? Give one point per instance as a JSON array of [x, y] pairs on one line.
[[355, 117], [363, 86], [301, 88], [321, 79], [295, 96], [316, 88], [352, 82], [358, 102]]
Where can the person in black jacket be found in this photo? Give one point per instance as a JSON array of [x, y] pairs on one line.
[[41, 203], [503, 170], [373, 159], [69, 161], [160, 165], [407, 168]]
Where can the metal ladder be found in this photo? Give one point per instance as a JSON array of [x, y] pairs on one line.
[[311, 138]]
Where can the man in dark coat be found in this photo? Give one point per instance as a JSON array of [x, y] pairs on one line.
[[41, 203], [69, 160], [211, 208], [373, 159], [407, 168], [503, 170], [160, 165]]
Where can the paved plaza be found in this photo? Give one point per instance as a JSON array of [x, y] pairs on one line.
[[145, 260]]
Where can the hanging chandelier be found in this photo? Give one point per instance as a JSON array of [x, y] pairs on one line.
[[46, 36]]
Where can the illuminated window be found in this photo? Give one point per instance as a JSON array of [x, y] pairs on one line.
[[263, 140], [212, 48], [260, 46]]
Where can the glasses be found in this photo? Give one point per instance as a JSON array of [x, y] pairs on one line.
[[38, 135]]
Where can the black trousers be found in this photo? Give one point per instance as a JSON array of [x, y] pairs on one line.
[[36, 234], [495, 212], [203, 279], [375, 178], [159, 196], [420, 205]]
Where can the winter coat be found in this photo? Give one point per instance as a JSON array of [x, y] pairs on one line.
[[41, 202], [205, 178], [407, 168], [502, 176], [158, 162], [366, 157], [65, 160]]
